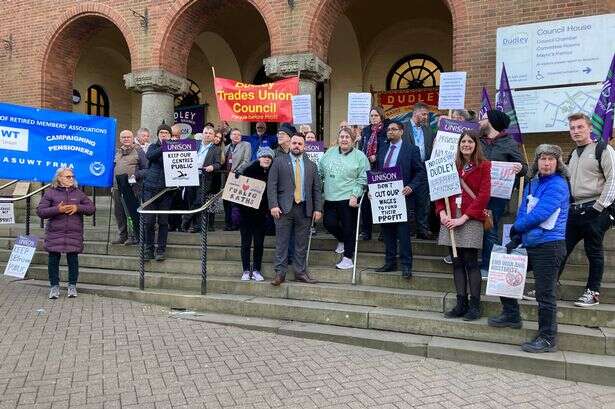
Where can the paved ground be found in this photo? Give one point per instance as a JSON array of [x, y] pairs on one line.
[[94, 352]]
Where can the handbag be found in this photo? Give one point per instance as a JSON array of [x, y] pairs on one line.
[[488, 221]]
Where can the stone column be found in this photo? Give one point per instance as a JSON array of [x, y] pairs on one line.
[[158, 89], [311, 68]]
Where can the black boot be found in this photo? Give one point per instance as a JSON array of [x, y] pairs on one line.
[[460, 309], [474, 310], [505, 320]]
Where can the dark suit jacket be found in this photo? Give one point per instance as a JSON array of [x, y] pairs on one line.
[[281, 185], [211, 158], [428, 136], [412, 168]]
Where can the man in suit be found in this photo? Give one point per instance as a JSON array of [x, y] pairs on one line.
[[208, 161], [237, 156], [419, 134], [407, 157], [294, 195]]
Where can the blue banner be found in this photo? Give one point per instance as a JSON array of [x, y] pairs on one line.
[[35, 142]]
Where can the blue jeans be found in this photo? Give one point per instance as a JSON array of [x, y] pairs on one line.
[[491, 237]]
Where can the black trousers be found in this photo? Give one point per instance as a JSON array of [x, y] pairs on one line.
[[544, 260], [466, 272], [340, 220], [591, 230], [163, 203], [252, 230], [195, 197], [53, 268], [366, 217]]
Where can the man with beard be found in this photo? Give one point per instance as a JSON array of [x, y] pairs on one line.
[[294, 195]]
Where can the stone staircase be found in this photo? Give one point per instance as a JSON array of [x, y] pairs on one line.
[[381, 311]]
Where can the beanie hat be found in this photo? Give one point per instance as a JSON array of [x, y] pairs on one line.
[[163, 127], [498, 120], [265, 151], [553, 150], [287, 129]]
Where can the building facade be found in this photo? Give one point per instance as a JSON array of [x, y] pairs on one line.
[[135, 60]]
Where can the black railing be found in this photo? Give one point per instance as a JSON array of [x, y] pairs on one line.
[[27, 199]]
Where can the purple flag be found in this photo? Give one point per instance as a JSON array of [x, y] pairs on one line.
[[485, 105], [602, 119], [505, 104]]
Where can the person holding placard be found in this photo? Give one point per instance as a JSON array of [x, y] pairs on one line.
[[468, 213], [343, 173], [237, 156], [405, 156], [253, 221], [64, 205], [541, 228], [419, 134], [216, 183], [373, 140], [500, 147], [294, 195]]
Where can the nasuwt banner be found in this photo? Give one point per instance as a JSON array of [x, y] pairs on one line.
[[34, 142], [271, 102]]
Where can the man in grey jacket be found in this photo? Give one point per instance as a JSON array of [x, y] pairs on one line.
[[294, 195], [237, 156]]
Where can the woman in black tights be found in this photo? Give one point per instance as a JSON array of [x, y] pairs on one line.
[[466, 221]]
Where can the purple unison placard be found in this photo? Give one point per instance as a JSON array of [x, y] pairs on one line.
[[385, 175], [182, 145], [386, 199], [450, 125]]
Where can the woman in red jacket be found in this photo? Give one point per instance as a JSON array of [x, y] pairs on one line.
[[468, 214]]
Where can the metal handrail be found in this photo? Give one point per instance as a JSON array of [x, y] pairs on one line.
[[28, 201], [204, 221], [12, 182]]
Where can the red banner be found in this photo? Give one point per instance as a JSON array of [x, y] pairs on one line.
[[272, 102], [400, 102]]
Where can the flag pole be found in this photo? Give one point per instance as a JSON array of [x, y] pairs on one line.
[[213, 70]]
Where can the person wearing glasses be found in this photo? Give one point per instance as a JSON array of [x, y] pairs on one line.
[[64, 205]]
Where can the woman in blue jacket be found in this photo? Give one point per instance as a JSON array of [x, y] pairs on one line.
[[541, 228]]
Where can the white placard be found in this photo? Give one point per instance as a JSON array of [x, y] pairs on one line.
[[21, 256], [452, 90], [506, 275], [387, 202], [359, 105], [502, 179], [547, 110], [179, 160], [315, 150], [447, 138], [7, 213], [302, 109], [442, 177], [244, 191], [571, 51]]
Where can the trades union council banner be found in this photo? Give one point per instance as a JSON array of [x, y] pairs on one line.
[[271, 102], [35, 142]]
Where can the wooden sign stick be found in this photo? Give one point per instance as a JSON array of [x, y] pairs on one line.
[[451, 232]]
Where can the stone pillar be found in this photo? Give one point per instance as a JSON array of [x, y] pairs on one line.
[[311, 68], [158, 89]]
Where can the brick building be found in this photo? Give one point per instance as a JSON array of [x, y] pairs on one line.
[[135, 60]]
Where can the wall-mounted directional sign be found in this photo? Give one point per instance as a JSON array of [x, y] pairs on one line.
[[559, 52]]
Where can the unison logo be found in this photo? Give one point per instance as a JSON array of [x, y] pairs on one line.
[[14, 139]]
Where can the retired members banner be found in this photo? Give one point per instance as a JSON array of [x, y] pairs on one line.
[[35, 142], [271, 102]]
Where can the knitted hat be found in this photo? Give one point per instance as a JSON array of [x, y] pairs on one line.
[[498, 120], [288, 129], [265, 151], [164, 127], [552, 150]]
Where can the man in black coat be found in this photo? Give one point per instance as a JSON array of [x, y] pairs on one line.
[[407, 157]]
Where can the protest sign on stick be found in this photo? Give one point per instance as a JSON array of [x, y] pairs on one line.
[[387, 202], [452, 90], [502, 179], [506, 274], [179, 160], [448, 135], [359, 105], [315, 150], [7, 214], [244, 191], [302, 109], [21, 256]]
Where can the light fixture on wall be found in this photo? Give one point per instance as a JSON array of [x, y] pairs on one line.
[[9, 44], [291, 4], [144, 19]]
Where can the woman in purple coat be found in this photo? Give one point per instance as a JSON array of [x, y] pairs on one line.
[[64, 205]]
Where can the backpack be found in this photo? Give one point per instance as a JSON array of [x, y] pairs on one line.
[[601, 146]]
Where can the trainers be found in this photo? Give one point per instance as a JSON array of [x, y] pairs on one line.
[[256, 276], [340, 248], [539, 345], [345, 264], [530, 295], [484, 274], [245, 276], [72, 291], [54, 292], [160, 257], [588, 299], [448, 259]]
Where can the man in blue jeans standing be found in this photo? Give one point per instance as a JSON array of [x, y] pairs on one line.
[[498, 146]]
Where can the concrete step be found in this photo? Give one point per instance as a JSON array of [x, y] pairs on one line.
[[600, 316], [571, 338]]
